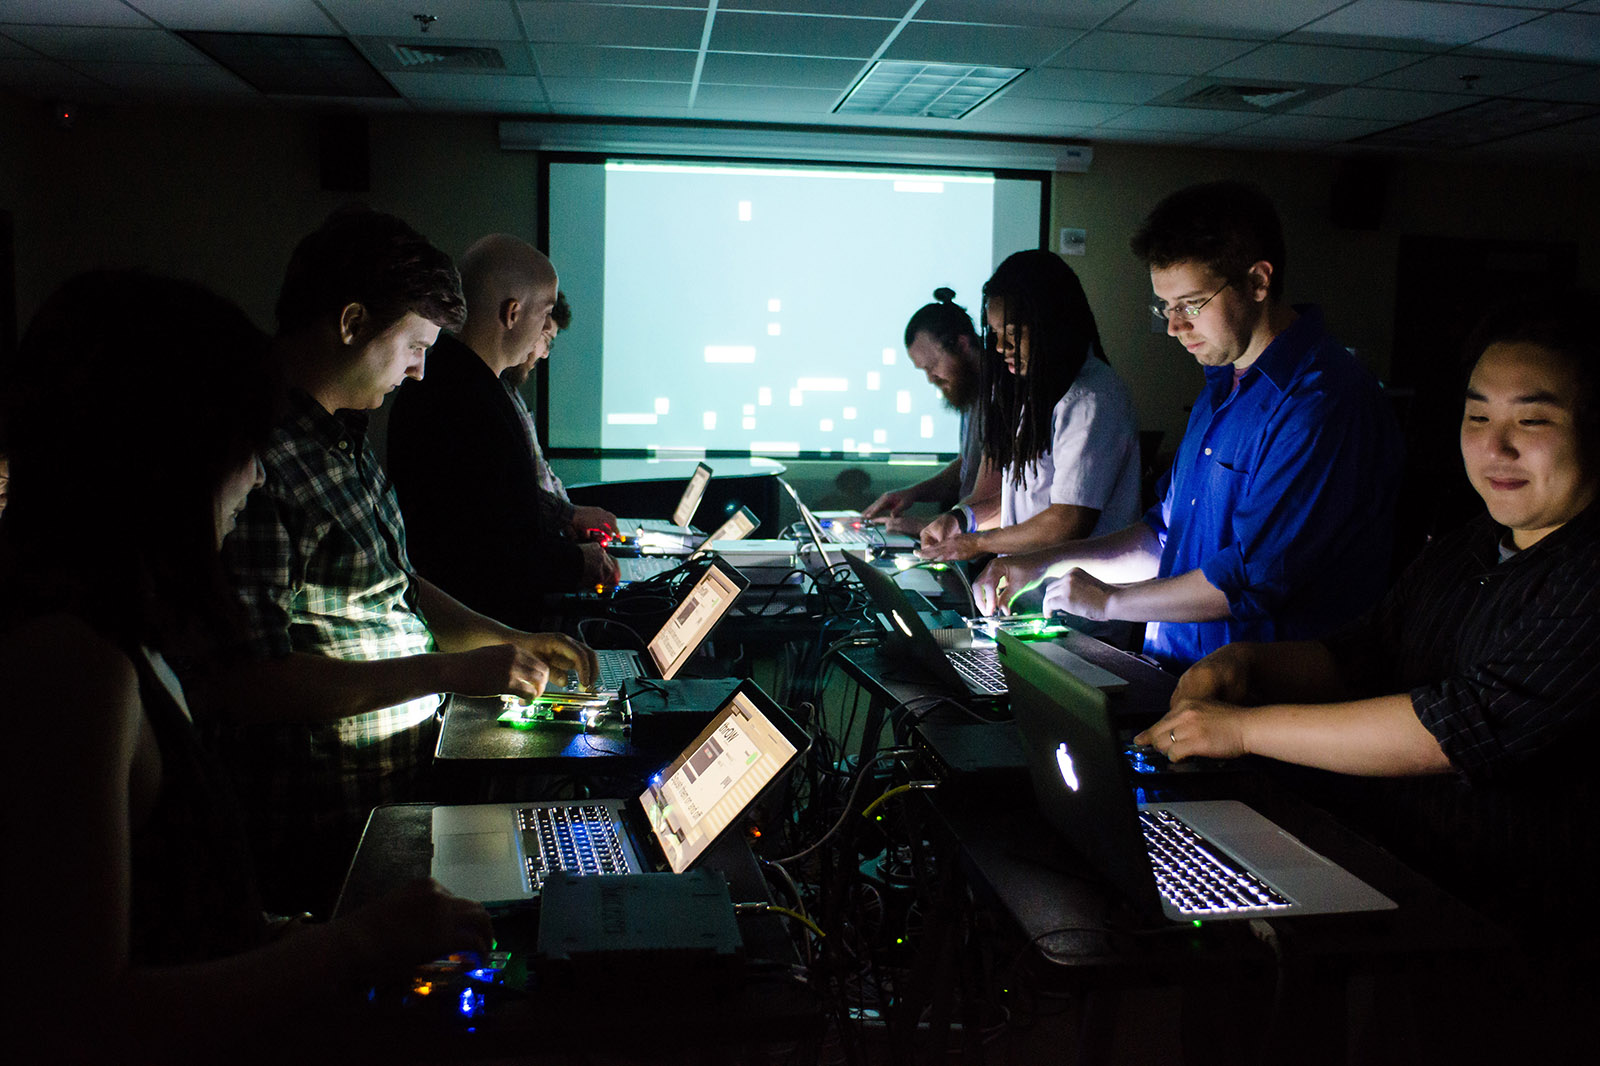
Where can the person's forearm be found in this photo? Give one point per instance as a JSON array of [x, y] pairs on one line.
[[1130, 554], [304, 687], [1052, 527], [1379, 737], [1185, 598], [454, 625], [941, 486]]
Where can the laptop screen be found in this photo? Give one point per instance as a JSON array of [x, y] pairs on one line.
[[689, 502], [691, 623], [700, 794]]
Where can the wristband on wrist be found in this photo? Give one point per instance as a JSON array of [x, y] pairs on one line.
[[964, 517]]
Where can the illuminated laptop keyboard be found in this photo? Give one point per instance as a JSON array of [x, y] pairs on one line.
[[615, 667], [580, 839], [1195, 876], [980, 668], [842, 533]]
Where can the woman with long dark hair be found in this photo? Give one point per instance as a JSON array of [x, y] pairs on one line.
[[132, 413], [1054, 419]]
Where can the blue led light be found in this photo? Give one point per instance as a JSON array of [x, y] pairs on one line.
[[471, 1002]]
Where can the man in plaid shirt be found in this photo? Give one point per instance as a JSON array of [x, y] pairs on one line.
[[349, 647]]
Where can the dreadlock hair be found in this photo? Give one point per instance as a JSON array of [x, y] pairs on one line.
[[1041, 299]]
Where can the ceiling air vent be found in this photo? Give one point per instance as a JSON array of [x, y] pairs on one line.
[[1256, 99], [420, 58], [913, 89]]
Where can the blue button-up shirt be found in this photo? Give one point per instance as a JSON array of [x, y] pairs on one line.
[[1282, 494]]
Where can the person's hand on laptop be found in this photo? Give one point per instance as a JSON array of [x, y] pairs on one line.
[[889, 505], [412, 925], [599, 568], [1223, 676], [586, 520], [563, 654], [1003, 580], [522, 666], [1199, 727], [909, 525], [939, 529]]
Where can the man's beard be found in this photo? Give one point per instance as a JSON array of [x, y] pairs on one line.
[[960, 393]]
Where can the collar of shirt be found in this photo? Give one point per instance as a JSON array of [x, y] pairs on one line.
[[341, 431], [1281, 362]]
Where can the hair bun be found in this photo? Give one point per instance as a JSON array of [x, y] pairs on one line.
[[944, 295]]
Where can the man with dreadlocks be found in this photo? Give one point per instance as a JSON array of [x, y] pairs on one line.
[[1055, 421], [1275, 521]]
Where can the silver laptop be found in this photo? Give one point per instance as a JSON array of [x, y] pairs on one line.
[[648, 532], [631, 568], [975, 669], [503, 852], [848, 527], [680, 636], [1188, 861]]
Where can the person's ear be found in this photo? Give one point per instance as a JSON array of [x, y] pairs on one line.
[[510, 312], [352, 319], [1258, 280]]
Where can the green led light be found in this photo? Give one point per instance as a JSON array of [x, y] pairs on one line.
[[1197, 923]]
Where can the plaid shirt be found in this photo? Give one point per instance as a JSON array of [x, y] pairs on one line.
[[319, 559]]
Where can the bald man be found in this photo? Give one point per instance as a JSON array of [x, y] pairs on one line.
[[459, 453]]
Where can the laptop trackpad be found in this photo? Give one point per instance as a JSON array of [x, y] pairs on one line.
[[481, 866]]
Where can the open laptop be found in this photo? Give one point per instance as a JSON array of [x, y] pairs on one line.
[[648, 532], [631, 568], [1079, 780], [848, 527], [680, 636], [975, 670], [502, 852]]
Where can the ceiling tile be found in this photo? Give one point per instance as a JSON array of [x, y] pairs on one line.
[[584, 61], [488, 106], [1255, 20], [1411, 22], [1584, 88], [1320, 128], [1488, 76], [182, 80], [94, 44], [1102, 86], [42, 77], [1558, 36], [1511, 3], [1010, 108], [805, 72], [1068, 14], [644, 27], [1390, 104], [1313, 63], [239, 16], [1150, 53], [1181, 119], [603, 95], [457, 19], [887, 9], [72, 13], [754, 98], [1008, 46], [456, 86], [855, 38], [10, 49]]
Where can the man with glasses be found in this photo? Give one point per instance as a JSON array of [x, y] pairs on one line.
[[1275, 521]]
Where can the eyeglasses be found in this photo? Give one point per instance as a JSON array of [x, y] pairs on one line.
[[1186, 310]]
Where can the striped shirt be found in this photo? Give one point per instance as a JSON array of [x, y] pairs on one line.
[[1502, 663], [319, 559]]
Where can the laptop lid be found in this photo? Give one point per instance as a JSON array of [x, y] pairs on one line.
[[1074, 760], [697, 614], [702, 795], [689, 502], [906, 636], [817, 540]]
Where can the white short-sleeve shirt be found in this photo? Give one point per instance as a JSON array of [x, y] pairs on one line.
[[1093, 459]]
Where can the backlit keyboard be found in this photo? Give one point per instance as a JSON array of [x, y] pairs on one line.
[[1195, 876], [579, 839], [980, 668]]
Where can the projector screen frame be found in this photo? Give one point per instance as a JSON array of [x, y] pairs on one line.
[[539, 382]]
